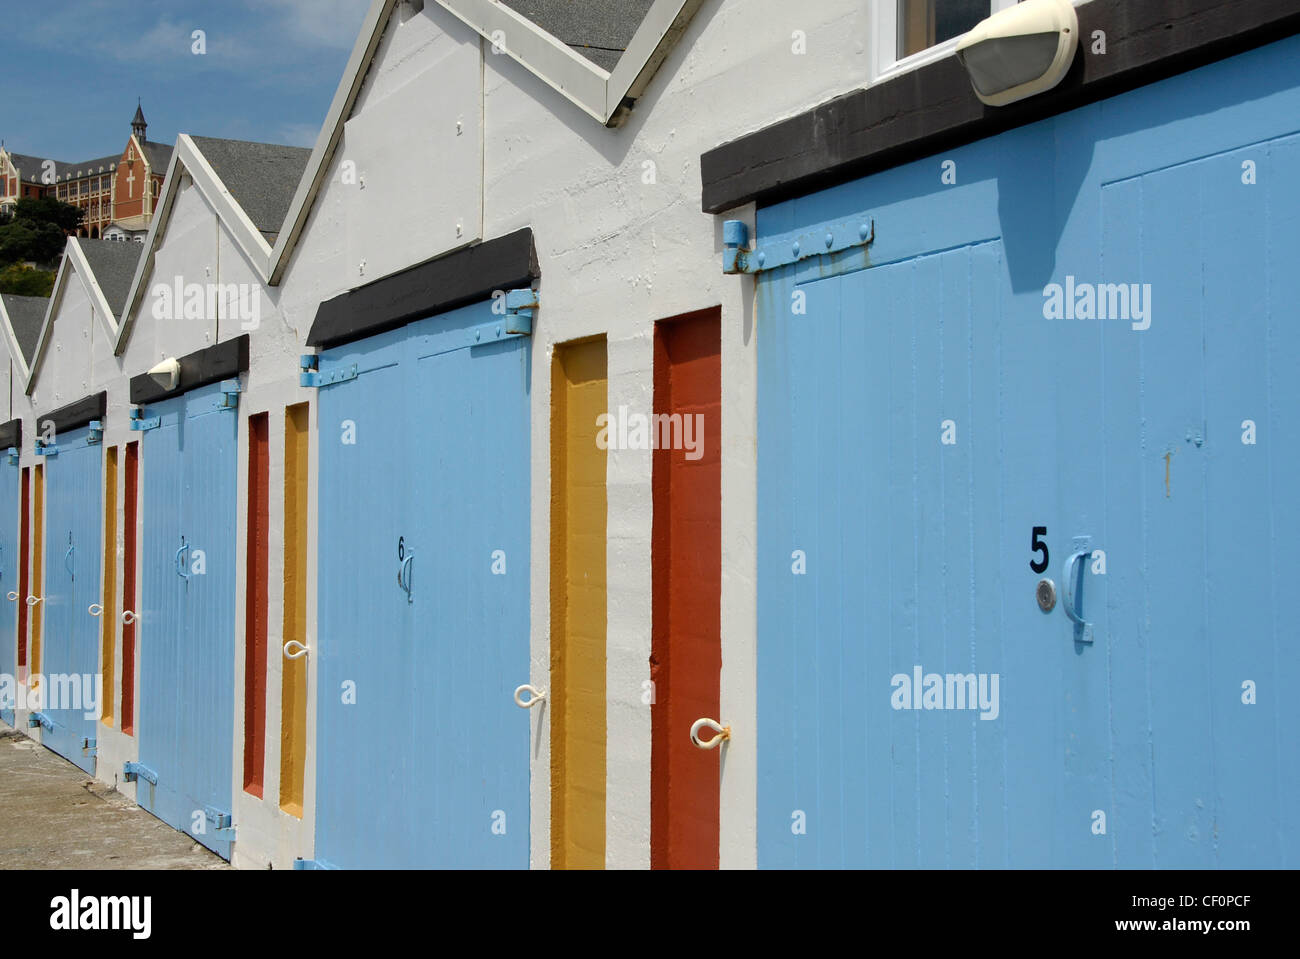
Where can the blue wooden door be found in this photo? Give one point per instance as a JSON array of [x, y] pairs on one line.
[[422, 755], [9, 564], [70, 661], [187, 634], [933, 420]]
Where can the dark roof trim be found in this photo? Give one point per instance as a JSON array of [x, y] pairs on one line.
[[439, 285], [75, 415], [11, 434], [209, 365], [933, 108]]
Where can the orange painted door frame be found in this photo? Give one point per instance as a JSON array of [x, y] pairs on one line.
[[579, 394], [686, 562]]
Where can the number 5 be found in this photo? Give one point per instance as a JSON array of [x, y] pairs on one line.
[[1035, 544]]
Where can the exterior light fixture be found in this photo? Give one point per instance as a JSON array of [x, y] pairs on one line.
[[167, 374], [1020, 51]]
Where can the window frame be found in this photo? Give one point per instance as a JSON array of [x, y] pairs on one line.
[[889, 63]]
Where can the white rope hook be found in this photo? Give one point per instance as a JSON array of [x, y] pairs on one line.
[[301, 652], [33, 600], [95, 609], [724, 732], [537, 696], [12, 596], [128, 617]]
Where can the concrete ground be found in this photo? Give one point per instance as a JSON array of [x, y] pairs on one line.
[[54, 816]]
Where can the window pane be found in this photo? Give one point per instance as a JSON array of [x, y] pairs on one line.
[[923, 23]]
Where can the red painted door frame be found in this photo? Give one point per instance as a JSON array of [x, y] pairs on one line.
[[686, 551]]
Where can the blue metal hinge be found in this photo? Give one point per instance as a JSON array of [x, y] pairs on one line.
[[89, 746], [830, 238], [230, 390], [40, 719], [40, 449], [309, 376], [520, 305], [219, 819], [140, 423], [307, 865], [94, 433], [133, 771], [13, 456]]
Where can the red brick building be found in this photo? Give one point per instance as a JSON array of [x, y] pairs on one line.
[[120, 190]]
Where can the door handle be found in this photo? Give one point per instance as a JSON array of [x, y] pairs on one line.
[[180, 566], [724, 733], [404, 574], [297, 654], [537, 696], [67, 562], [1072, 600]]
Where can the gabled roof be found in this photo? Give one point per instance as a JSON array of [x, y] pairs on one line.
[[599, 30], [158, 154], [104, 273], [32, 168], [26, 316], [113, 264], [261, 176], [229, 174], [641, 32]]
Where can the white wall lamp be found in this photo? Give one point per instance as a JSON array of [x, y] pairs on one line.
[[167, 374], [1020, 51]]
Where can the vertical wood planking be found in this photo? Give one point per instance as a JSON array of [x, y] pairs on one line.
[[24, 580], [686, 551], [255, 625], [293, 679], [38, 560], [130, 515], [108, 618], [579, 394]]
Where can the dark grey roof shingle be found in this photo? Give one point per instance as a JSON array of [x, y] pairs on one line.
[[262, 177], [158, 155], [26, 315], [31, 168], [113, 262], [599, 30]]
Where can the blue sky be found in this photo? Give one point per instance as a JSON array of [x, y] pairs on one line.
[[71, 76]]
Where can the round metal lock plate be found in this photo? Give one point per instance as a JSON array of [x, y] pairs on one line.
[[1046, 595]]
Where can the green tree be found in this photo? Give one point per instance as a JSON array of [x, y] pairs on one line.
[[19, 279], [37, 229]]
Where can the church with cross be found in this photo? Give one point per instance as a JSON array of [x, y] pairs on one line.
[[119, 193]]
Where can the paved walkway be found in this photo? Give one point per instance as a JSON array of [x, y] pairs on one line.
[[54, 816]]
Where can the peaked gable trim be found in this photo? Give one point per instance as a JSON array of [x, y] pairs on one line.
[[604, 96], [345, 97], [189, 158], [74, 260], [11, 343]]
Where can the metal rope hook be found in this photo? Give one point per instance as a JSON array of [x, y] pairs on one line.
[[724, 733]]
